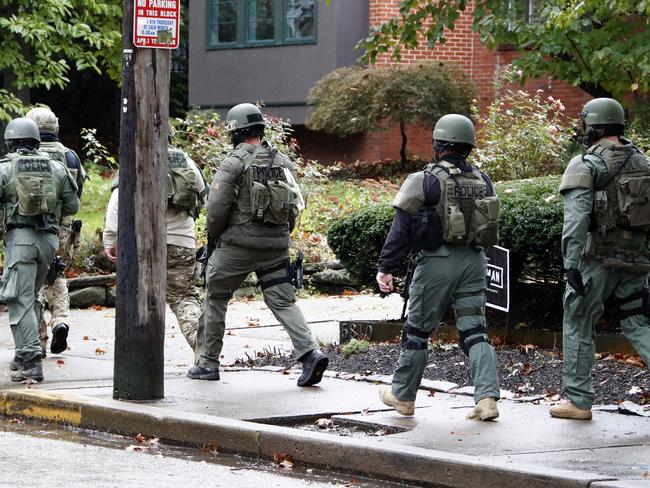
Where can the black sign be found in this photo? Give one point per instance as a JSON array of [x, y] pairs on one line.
[[498, 290]]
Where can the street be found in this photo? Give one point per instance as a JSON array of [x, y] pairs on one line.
[[37, 454]]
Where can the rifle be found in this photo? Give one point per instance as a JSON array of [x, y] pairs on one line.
[[407, 283]]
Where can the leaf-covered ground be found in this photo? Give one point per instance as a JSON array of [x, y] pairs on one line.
[[525, 371]]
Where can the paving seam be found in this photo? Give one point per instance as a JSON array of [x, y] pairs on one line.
[[370, 457], [569, 450]]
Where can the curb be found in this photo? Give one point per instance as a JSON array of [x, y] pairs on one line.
[[377, 459]]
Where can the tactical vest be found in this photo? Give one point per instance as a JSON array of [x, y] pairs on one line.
[[268, 194], [621, 208], [32, 190], [58, 151], [467, 215], [181, 189]]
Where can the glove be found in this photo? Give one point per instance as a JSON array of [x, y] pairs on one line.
[[574, 279]]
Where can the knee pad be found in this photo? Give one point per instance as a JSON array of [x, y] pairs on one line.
[[415, 345], [643, 309], [466, 344]]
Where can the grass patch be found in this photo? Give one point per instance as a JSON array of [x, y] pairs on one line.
[[355, 346]]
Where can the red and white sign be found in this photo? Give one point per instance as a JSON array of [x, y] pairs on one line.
[[156, 23]]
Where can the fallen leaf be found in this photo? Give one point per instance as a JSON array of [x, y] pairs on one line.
[[133, 447], [97, 307], [60, 361], [285, 371], [432, 393], [85, 338], [283, 460], [365, 412], [209, 448], [16, 421], [99, 351], [140, 438]]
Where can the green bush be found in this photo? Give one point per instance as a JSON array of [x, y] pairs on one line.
[[358, 238], [530, 226]]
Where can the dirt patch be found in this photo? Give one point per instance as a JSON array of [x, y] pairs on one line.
[[525, 370]]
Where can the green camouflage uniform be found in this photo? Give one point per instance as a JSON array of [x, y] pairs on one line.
[[245, 247], [604, 264], [30, 244]]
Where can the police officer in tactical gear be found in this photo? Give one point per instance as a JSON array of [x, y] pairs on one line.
[[605, 244], [185, 192], [447, 213], [251, 207], [35, 192], [56, 294]]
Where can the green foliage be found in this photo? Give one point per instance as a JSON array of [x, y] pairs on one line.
[[523, 136], [203, 136], [532, 213], [95, 152], [42, 41], [358, 238], [602, 47], [530, 226], [355, 346], [352, 100]]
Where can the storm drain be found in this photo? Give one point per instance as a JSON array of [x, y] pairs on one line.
[[333, 423]]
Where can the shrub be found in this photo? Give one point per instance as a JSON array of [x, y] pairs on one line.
[[530, 226], [358, 238], [524, 135], [353, 100], [355, 346]]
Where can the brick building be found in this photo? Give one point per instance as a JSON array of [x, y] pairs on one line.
[[274, 50]]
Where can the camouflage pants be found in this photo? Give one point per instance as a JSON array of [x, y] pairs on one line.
[[56, 294], [182, 294]]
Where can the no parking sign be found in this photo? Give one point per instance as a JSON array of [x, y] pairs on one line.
[[156, 23]]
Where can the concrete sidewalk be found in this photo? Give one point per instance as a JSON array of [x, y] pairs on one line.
[[260, 412]]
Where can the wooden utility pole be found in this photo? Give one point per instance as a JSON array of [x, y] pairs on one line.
[[141, 268]]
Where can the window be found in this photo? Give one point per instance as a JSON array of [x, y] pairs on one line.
[[250, 23]]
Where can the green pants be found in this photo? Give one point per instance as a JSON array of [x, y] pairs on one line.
[[227, 269], [455, 275], [581, 314], [28, 255]]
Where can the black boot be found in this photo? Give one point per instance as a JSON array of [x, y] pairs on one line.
[[16, 364], [32, 370], [59, 338], [199, 373], [314, 364]]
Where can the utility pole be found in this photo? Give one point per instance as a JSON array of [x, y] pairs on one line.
[[141, 263]]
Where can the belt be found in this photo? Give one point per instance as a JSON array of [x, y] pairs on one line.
[[25, 226]]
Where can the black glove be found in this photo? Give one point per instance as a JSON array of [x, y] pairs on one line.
[[574, 279]]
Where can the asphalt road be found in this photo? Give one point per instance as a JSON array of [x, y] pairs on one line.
[[37, 454]]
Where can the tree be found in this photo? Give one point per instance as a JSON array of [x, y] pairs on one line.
[[353, 100], [42, 41], [600, 46]]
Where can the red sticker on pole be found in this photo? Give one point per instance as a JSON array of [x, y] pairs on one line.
[[156, 23]]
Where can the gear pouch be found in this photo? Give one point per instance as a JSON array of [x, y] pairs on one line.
[[260, 198], [455, 231], [32, 199], [634, 201], [184, 189], [485, 221], [281, 203]]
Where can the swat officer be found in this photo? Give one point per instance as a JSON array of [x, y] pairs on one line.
[[252, 203], [605, 242], [185, 192], [35, 192], [56, 294], [447, 213]]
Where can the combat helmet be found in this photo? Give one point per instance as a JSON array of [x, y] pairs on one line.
[[454, 128], [22, 128], [602, 111], [242, 116], [45, 119]]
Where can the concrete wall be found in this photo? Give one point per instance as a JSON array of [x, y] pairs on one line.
[[279, 76]]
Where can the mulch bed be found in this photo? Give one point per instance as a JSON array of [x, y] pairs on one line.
[[524, 370]]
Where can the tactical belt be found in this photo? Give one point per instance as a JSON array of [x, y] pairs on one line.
[[275, 281], [25, 226], [641, 310], [409, 344]]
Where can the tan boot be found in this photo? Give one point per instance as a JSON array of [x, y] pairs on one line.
[[485, 409], [401, 406], [568, 410]]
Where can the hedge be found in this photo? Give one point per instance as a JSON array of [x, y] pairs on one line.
[[530, 226]]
